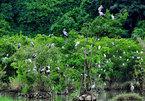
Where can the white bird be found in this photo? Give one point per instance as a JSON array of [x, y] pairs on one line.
[[102, 14], [105, 55], [99, 66], [30, 60], [48, 67], [131, 87], [34, 70], [32, 44], [28, 71], [112, 16], [99, 75], [138, 57], [57, 68], [99, 47], [141, 52], [42, 70], [113, 43], [77, 43], [7, 55], [100, 8], [136, 51], [120, 57], [93, 86], [85, 52], [62, 47], [51, 45], [65, 33], [48, 71]]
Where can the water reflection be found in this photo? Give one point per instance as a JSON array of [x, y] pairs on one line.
[[102, 96], [108, 95]]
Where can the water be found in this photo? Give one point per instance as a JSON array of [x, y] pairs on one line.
[[102, 96]]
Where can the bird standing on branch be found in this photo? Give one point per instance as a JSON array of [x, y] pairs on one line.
[[131, 87], [65, 33], [19, 45], [32, 44]]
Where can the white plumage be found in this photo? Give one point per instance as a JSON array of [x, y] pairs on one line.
[[93, 86], [30, 60], [99, 47], [101, 14], [32, 44], [112, 16], [77, 43], [100, 8], [47, 71], [132, 87], [65, 33]]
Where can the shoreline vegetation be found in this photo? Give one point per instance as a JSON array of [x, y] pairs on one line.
[[72, 47]]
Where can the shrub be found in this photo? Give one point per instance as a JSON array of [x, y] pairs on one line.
[[128, 97]]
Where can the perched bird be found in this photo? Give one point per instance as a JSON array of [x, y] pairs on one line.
[[48, 71], [113, 43], [100, 8], [85, 52], [42, 70], [32, 44], [65, 33], [51, 45], [28, 71], [50, 35], [34, 70], [34, 55], [30, 60], [102, 14], [120, 57], [138, 57], [131, 87], [93, 86], [19, 45], [48, 67], [99, 47], [112, 16], [105, 55], [7, 55], [57, 68], [77, 43]]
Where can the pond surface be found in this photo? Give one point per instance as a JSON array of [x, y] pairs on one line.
[[102, 96]]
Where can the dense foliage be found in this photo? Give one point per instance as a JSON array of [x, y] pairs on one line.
[[50, 16], [40, 58]]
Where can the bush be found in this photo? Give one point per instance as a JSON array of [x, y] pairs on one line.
[[128, 97]]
